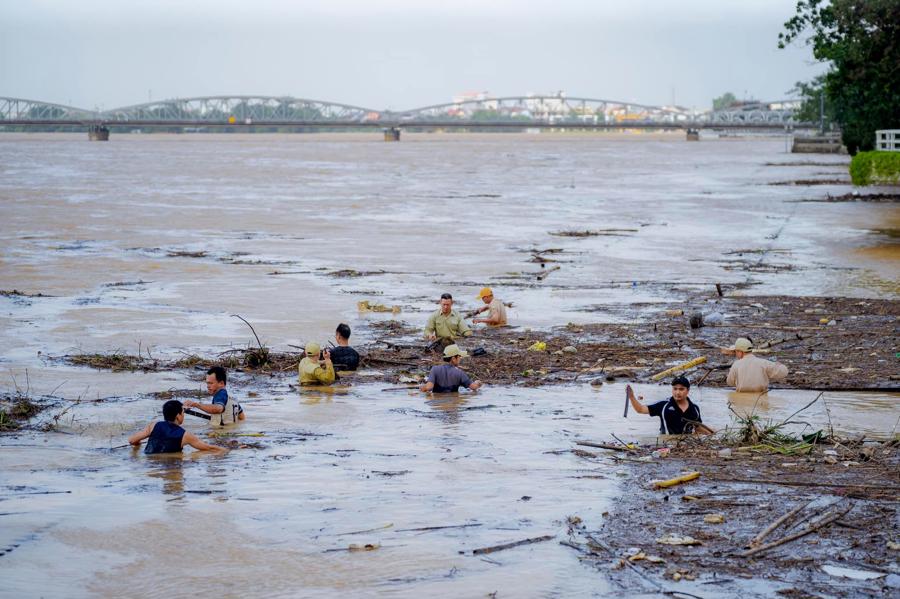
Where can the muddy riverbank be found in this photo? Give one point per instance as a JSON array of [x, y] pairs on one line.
[[758, 521]]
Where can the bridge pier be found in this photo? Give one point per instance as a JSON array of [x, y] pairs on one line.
[[693, 135], [392, 134], [98, 133]]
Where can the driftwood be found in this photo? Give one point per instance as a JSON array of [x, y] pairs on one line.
[[430, 528], [828, 519], [685, 366], [602, 446], [774, 525], [484, 550], [800, 483]]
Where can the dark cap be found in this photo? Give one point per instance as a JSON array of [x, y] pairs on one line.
[[681, 380]]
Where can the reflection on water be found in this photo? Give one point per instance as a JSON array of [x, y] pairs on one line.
[[135, 264], [362, 460]]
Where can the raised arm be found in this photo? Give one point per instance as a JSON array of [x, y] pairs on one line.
[[192, 440], [209, 408], [636, 405], [142, 434]]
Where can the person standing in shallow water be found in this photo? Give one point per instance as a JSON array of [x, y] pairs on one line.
[[343, 356], [678, 415], [749, 373], [445, 325], [223, 410], [449, 377], [496, 310], [167, 436]]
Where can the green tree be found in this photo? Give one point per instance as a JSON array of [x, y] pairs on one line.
[[860, 41], [724, 101], [816, 106]]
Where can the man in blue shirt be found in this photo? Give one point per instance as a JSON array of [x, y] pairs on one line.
[[167, 436], [449, 377], [223, 409], [678, 415]]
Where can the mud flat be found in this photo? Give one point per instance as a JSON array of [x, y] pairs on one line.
[[761, 520]]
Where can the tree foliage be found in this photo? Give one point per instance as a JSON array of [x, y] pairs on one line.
[[812, 94], [724, 101], [860, 40]]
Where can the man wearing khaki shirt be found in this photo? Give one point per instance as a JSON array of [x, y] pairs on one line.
[[749, 373], [496, 310], [446, 324]]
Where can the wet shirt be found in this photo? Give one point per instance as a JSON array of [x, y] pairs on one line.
[[313, 374], [231, 410], [345, 358], [164, 438], [451, 325], [672, 421], [448, 378], [496, 310], [753, 374]]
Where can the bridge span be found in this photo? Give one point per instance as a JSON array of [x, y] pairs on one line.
[[268, 113]]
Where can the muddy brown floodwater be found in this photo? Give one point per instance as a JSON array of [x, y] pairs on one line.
[[147, 245]]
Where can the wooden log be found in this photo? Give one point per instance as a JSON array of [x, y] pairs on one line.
[[684, 478], [680, 367], [485, 550]]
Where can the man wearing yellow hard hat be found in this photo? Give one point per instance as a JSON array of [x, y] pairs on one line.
[[496, 310]]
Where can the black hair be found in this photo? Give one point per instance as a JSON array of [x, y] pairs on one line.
[[220, 373], [171, 410], [343, 330], [448, 358], [446, 296], [681, 380]]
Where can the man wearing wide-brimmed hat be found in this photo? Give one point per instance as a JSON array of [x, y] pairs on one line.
[[750, 373], [449, 377]]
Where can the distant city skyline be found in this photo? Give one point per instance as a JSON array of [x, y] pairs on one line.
[[399, 54]]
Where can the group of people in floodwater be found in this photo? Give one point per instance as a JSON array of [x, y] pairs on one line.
[[677, 414]]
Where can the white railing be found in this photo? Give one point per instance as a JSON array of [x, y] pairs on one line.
[[887, 140]]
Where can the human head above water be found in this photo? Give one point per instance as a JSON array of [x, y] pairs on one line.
[[446, 303], [343, 331], [220, 374], [171, 410], [680, 387]]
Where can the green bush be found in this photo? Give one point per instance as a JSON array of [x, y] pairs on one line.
[[868, 168]]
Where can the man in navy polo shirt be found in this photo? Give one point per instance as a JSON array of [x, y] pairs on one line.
[[449, 377], [678, 415]]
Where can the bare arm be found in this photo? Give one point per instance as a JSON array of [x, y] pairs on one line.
[[776, 371], [192, 440], [495, 319], [636, 405], [209, 408], [139, 436], [731, 379], [430, 329], [427, 387], [475, 386]]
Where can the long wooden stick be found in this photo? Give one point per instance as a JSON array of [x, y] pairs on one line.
[[771, 527], [484, 550], [809, 529], [799, 483], [685, 366]]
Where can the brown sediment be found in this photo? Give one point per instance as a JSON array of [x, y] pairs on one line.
[[856, 197], [826, 342], [835, 503]]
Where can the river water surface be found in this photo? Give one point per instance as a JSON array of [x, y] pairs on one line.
[[153, 242]]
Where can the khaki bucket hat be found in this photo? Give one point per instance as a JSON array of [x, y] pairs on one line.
[[453, 350], [313, 348], [742, 344]]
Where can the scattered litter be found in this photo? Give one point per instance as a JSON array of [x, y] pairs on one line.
[[852, 573], [365, 306], [672, 539], [538, 346], [687, 477], [366, 547]]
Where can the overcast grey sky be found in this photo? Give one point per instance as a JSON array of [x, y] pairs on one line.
[[396, 53]]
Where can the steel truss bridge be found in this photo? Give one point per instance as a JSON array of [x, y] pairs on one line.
[[514, 112]]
